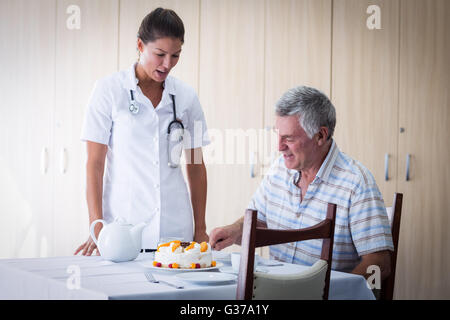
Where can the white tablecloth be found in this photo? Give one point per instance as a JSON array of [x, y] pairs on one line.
[[52, 278]]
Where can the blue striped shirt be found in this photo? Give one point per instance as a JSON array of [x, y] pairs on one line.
[[362, 224]]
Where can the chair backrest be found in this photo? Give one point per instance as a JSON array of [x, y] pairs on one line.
[[306, 285], [253, 237], [394, 215]]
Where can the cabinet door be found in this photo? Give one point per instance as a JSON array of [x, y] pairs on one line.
[[83, 55], [365, 85], [297, 49], [27, 48], [297, 52], [131, 14], [423, 261], [231, 92]]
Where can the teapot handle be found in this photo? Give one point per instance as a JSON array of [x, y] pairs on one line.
[[92, 229]]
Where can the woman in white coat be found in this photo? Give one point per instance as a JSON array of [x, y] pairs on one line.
[[137, 121]]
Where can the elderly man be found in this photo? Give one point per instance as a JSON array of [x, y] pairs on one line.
[[312, 172]]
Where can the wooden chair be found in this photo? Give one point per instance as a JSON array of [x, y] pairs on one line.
[[394, 215], [315, 279]]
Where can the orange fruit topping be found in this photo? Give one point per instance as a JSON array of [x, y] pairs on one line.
[[203, 246], [191, 246], [175, 246], [163, 245]]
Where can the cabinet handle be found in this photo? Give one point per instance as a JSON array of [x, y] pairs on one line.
[[252, 165], [386, 167], [63, 161], [44, 160], [408, 159]]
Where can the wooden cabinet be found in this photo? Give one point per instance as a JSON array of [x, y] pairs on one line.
[[388, 81], [27, 89], [365, 87], [424, 114], [48, 72], [231, 90], [390, 89], [83, 56], [297, 49], [250, 53]]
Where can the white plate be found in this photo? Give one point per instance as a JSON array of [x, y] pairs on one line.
[[149, 264], [206, 277], [230, 270]]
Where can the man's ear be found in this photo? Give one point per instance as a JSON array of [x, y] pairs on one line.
[[322, 136]]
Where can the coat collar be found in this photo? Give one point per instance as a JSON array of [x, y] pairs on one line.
[[131, 82]]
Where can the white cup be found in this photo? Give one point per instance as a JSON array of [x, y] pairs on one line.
[[236, 259]]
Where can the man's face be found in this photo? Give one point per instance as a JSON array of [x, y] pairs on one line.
[[298, 150]]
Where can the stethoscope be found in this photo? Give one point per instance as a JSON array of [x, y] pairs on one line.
[[175, 132]]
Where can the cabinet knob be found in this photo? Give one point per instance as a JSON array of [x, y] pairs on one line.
[[63, 161], [44, 160]]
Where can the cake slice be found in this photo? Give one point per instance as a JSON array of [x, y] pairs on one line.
[[184, 255]]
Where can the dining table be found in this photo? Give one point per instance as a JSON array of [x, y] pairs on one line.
[[92, 277]]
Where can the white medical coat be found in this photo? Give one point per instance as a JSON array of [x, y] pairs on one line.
[[138, 184]]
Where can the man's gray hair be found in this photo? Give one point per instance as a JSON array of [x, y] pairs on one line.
[[313, 107]]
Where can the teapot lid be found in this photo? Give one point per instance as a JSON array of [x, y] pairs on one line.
[[121, 221]]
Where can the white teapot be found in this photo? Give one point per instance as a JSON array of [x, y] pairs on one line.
[[118, 241]]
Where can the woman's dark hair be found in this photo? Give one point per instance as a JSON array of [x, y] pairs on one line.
[[161, 23]]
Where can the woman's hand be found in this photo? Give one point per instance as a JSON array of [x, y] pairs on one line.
[[196, 175], [201, 236], [96, 155], [89, 246]]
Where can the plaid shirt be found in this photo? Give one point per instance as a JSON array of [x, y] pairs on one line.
[[362, 225]]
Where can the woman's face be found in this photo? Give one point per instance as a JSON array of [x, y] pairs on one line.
[[157, 58]]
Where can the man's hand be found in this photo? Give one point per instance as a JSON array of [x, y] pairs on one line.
[[382, 259], [223, 237]]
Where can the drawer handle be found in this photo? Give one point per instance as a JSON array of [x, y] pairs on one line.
[[63, 161], [252, 164], [408, 160], [44, 160], [386, 167]]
